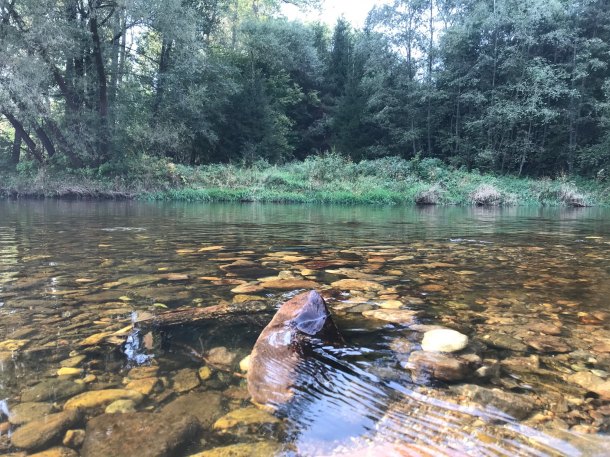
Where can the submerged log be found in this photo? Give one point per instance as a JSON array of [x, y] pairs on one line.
[[280, 347], [183, 316]]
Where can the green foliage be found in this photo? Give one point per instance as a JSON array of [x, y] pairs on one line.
[[327, 178], [116, 91]]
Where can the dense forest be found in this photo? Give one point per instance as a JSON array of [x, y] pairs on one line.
[[504, 86]]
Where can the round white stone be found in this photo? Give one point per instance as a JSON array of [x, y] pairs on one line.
[[444, 340]]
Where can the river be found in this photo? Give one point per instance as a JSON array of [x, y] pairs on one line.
[[530, 288]]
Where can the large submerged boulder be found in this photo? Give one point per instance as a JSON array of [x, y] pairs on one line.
[[282, 345]]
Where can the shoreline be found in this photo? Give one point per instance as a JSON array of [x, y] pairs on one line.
[[190, 195], [327, 179]]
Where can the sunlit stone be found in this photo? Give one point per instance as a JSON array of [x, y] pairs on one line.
[[444, 340]]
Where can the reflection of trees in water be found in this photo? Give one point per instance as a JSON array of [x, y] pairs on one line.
[[8, 255]]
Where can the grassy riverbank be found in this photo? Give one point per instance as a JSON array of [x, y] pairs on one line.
[[323, 179]]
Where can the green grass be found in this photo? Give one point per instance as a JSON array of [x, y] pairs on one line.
[[328, 178]]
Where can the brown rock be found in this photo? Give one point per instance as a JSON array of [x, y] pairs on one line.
[[438, 365], [246, 418], [42, 432], [275, 357], [52, 390], [548, 328], [143, 372], [23, 413], [74, 438], [185, 380], [58, 451], [592, 383], [145, 385], [96, 399], [221, 356], [515, 405], [290, 284], [258, 449], [548, 344], [395, 316], [433, 288], [502, 341], [247, 288], [138, 434], [205, 406], [356, 284], [238, 299]]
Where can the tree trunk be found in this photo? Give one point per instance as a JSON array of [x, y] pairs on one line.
[[18, 126], [122, 50], [16, 151], [430, 62], [45, 140], [234, 24], [114, 60], [102, 86], [572, 115], [64, 144], [164, 61]]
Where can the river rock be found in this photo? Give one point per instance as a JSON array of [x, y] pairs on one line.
[[401, 345], [356, 284], [74, 438], [592, 383], [248, 288], [42, 432], [437, 365], [23, 413], [97, 399], [121, 407], [548, 344], [390, 304], [503, 341], [69, 372], [204, 373], [395, 316], [246, 419], [12, 345], [239, 299], [138, 434], [205, 406], [72, 361], [143, 372], [548, 328], [444, 340], [145, 386], [221, 356], [185, 380], [260, 449], [95, 339], [515, 405], [52, 389], [5, 357], [290, 284], [244, 364], [58, 451]]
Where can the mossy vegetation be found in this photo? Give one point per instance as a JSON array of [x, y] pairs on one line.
[[328, 178]]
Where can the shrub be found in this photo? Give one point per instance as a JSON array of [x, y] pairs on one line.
[[569, 195], [430, 196], [486, 195]]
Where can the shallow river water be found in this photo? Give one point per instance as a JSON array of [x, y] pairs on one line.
[[529, 287]]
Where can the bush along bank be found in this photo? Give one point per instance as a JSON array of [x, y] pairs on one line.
[[328, 178]]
